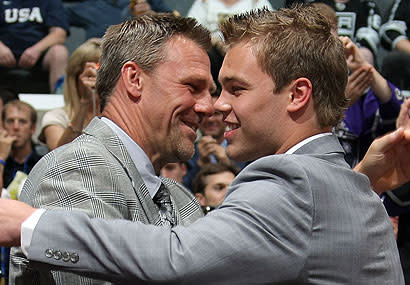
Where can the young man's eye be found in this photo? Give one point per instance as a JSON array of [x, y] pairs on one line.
[[236, 89]]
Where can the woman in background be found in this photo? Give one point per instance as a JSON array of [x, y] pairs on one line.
[[62, 125]]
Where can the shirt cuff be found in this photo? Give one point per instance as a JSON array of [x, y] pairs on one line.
[[27, 229]]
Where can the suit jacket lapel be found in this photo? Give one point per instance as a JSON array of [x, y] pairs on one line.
[[114, 145]]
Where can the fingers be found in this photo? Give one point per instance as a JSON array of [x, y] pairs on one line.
[[403, 120], [88, 79], [387, 142]]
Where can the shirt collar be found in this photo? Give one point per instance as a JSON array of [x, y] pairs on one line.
[[305, 141], [138, 156]]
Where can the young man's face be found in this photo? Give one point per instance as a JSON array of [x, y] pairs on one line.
[[215, 189], [253, 113], [17, 122]]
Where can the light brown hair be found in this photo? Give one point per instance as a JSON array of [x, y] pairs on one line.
[[20, 105], [293, 43], [142, 40]]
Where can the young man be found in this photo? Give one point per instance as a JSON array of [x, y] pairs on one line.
[[298, 214]]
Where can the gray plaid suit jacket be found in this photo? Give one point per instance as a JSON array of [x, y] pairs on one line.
[[93, 174]]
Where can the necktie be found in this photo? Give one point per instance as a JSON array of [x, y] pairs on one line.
[[163, 200]]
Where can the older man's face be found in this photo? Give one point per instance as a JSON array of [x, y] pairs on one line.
[[178, 97]]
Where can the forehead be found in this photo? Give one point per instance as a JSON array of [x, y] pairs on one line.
[[225, 176], [17, 111], [240, 63], [187, 59]]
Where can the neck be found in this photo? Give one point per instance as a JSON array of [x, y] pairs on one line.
[[117, 110], [20, 154], [297, 137]]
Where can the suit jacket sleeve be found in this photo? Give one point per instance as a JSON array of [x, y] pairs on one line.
[[267, 213]]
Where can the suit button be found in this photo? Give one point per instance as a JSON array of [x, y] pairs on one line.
[[66, 256], [74, 257], [49, 252], [57, 255]]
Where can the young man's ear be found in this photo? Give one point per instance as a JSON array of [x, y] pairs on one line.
[[301, 92], [131, 75]]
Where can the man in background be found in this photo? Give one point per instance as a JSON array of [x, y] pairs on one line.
[[17, 154], [211, 183]]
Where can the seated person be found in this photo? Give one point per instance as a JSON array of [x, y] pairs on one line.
[[210, 184], [395, 35], [62, 125], [141, 7], [374, 105], [32, 34], [87, 14], [17, 152]]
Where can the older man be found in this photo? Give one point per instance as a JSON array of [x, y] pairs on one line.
[[296, 215], [154, 84]]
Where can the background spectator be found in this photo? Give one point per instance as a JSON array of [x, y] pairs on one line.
[[374, 105], [395, 37], [174, 170], [62, 125], [211, 183], [32, 34], [17, 152], [210, 148], [358, 20]]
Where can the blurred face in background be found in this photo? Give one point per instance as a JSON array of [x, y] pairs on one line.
[[215, 189], [213, 126], [174, 170], [17, 123]]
